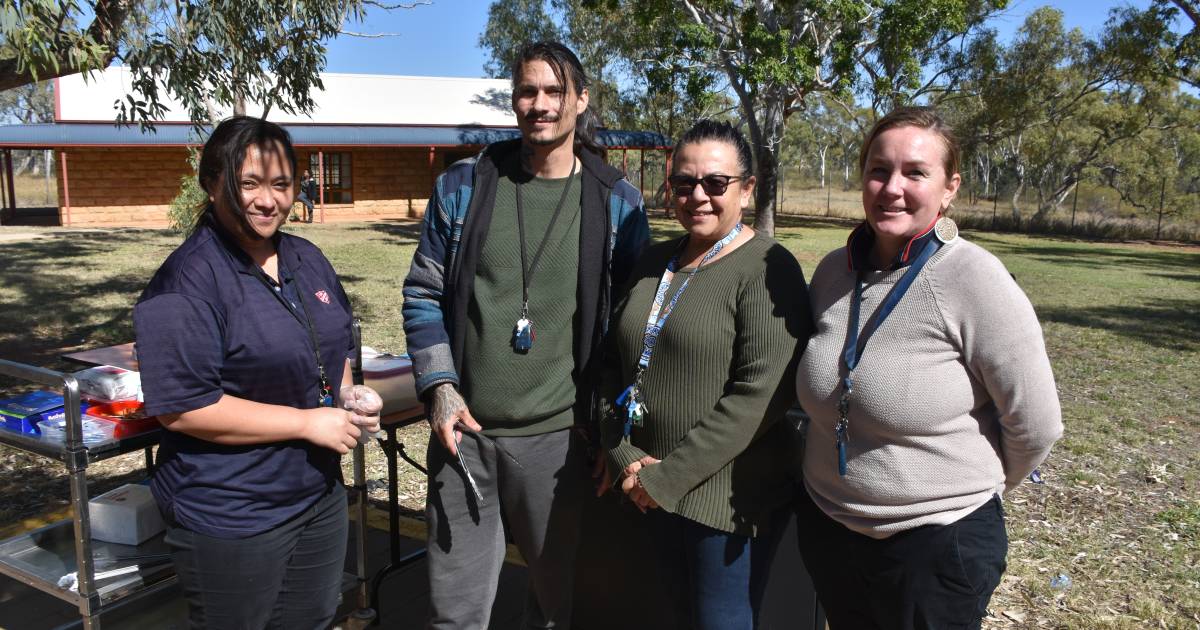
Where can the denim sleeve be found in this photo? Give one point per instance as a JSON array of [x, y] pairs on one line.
[[631, 230], [425, 327]]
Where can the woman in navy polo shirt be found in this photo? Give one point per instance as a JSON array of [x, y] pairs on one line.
[[243, 336]]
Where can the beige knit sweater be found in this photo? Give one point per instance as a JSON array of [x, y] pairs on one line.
[[953, 397]]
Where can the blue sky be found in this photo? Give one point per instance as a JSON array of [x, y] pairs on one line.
[[441, 39]]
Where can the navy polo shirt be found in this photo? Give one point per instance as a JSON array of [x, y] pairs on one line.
[[208, 325]]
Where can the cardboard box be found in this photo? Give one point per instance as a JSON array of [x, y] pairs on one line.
[[127, 515], [24, 413]]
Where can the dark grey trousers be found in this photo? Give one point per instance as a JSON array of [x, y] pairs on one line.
[[536, 486], [286, 578]]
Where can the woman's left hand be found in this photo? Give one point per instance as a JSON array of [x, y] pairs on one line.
[[364, 405], [633, 488]]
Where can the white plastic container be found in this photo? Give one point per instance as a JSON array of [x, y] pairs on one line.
[[126, 515], [95, 430], [391, 375]]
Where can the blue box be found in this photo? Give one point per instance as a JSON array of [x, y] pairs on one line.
[[24, 412]]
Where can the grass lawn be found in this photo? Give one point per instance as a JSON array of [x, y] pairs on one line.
[[1119, 512]]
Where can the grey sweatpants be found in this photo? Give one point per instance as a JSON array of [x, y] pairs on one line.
[[536, 485]]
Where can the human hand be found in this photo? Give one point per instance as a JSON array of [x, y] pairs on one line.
[[364, 405], [448, 415], [633, 468], [632, 486], [330, 428]]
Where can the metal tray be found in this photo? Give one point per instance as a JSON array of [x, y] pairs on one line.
[[39, 558]]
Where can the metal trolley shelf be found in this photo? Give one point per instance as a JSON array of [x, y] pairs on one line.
[[41, 557]]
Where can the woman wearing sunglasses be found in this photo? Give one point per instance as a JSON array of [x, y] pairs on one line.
[[700, 372], [930, 395]]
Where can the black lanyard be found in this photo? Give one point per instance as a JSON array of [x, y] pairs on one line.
[[326, 398], [856, 344], [527, 270]]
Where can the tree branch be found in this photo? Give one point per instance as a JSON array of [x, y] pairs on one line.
[[106, 27], [367, 35], [399, 5]]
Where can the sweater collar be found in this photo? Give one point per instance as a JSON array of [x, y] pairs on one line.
[[862, 238]]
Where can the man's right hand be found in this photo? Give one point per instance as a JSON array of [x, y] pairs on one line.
[[447, 410], [330, 428]]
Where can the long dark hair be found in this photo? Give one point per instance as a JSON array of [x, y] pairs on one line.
[[568, 70], [223, 154]]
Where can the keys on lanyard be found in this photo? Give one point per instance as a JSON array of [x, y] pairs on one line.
[[326, 392], [634, 404], [842, 428], [632, 401]]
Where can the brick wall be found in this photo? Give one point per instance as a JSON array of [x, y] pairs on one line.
[[130, 187], [386, 183], [133, 187]]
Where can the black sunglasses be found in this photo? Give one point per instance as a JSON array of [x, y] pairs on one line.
[[713, 185]]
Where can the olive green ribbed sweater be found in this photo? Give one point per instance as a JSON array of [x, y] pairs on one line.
[[510, 393], [719, 381]]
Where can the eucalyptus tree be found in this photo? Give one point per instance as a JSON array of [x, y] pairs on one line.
[[772, 55], [630, 87], [1050, 105], [1158, 173], [198, 52]]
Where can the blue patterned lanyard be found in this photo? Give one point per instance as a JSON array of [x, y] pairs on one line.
[[632, 400], [856, 344]]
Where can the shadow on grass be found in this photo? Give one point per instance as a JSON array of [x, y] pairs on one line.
[[58, 296], [1168, 323], [804, 221], [1081, 253], [402, 232], [1194, 277], [31, 494]]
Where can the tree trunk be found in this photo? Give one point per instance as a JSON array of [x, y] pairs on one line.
[[765, 136], [821, 153], [1016, 195]]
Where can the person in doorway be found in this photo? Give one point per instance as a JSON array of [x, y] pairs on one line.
[[308, 196], [504, 308]]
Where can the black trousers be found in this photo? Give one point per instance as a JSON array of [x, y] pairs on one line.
[[288, 577], [930, 577]]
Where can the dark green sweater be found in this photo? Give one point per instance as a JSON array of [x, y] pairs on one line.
[[524, 394], [720, 379]]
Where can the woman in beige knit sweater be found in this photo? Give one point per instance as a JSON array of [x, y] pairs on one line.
[[701, 372], [930, 394]]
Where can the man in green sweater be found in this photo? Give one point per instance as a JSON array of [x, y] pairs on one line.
[[505, 303]]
